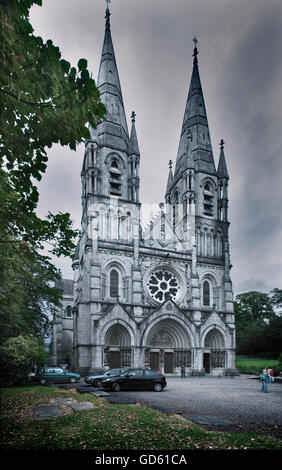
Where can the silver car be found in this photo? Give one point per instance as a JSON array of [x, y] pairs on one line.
[[96, 380]]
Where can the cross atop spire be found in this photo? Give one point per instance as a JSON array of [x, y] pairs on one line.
[[195, 40], [169, 180], [108, 14]]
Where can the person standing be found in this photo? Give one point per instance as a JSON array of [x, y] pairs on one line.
[[263, 378], [270, 375]]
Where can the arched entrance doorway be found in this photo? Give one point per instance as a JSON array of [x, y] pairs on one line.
[[117, 349], [214, 356], [168, 347]]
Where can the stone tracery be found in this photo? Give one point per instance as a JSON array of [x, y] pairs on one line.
[[163, 285]]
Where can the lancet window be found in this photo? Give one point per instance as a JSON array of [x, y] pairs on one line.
[[115, 178]]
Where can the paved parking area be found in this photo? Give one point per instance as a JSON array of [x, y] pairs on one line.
[[231, 404]]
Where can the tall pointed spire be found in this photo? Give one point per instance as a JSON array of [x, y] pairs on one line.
[[195, 122], [133, 142], [222, 167], [114, 129], [170, 178]]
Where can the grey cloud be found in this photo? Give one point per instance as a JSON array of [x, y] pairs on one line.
[[240, 54]]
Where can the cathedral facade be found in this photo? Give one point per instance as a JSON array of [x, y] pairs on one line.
[[159, 297]]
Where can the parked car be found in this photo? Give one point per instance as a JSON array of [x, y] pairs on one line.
[[96, 380], [136, 379], [55, 375]]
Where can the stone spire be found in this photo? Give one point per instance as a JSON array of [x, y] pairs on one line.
[[113, 131], [222, 167], [170, 178], [195, 123], [133, 142]]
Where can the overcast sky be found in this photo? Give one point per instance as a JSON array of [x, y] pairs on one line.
[[240, 51]]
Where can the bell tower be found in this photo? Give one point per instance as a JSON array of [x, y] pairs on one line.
[[110, 171]]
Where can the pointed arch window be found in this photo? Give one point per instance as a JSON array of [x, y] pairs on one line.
[[208, 200], [115, 178], [114, 283], [68, 311], [206, 294]]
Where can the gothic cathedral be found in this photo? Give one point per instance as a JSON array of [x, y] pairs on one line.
[[160, 297]]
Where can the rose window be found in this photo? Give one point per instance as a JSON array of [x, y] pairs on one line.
[[163, 285]]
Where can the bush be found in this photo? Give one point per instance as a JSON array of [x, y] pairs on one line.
[[17, 357]]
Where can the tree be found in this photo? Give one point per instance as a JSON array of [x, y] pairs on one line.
[[43, 100], [258, 326], [273, 334], [17, 357], [276, 297], [255, 305], [27, 295]]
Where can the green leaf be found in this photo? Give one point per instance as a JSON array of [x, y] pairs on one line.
[[82, 64]]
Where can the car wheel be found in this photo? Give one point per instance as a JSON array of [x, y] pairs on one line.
[[72, 380], [116, 387], [157, 387], [43, 381]]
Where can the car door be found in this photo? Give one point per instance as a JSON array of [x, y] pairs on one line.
[[134, 380], [46, 375], [150, 378], [50, 375], [59, 376]]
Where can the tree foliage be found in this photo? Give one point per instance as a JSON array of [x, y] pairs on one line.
[[43, 100], [258, 325], [17, 357], [27, 295], [255, 305], [276, 297]]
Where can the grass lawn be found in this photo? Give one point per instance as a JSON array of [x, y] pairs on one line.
[[254, 365], [108, 426]]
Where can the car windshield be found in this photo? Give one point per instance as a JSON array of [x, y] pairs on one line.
[[125, 373]]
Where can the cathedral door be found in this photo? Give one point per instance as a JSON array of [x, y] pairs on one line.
[[168, 362], [206, 362], [114, 359], [154, 360]]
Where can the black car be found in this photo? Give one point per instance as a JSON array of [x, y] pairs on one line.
[[136, 379], [96, 379]]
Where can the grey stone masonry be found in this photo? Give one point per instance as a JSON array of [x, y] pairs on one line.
[[159, 296]]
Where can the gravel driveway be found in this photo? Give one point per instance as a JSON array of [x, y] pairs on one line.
[[228, 404]]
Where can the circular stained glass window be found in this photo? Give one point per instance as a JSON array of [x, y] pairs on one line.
[[163, 285]]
